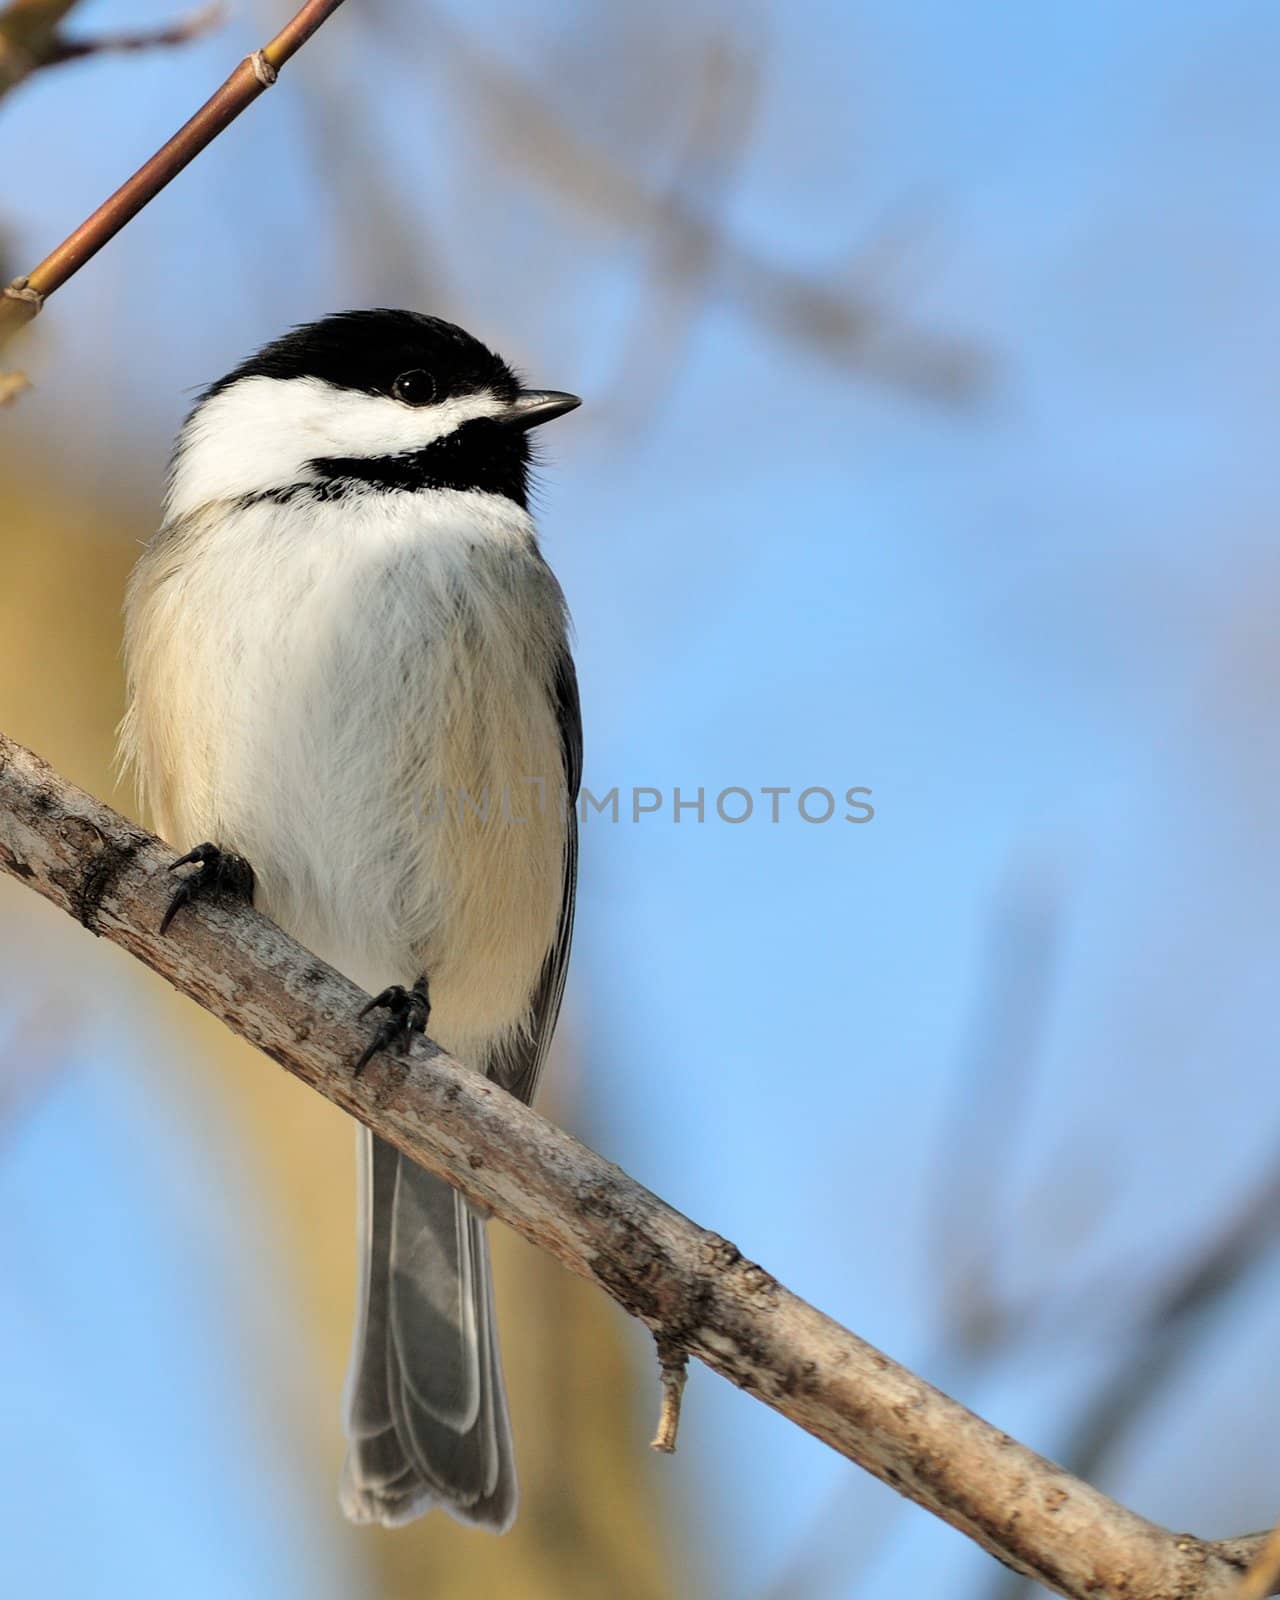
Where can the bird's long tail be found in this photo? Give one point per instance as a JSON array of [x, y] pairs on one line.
[[425, 1407]]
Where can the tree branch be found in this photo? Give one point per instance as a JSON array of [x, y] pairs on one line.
[[692, 1288], [25, 296]]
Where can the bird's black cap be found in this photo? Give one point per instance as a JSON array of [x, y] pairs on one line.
[[368, 350]]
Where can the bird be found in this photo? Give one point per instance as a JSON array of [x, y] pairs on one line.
[[351, 699]]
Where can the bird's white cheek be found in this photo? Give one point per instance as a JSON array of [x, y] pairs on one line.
[[262, 433]]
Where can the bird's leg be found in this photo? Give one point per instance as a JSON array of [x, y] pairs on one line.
[[220, 872], [407, 1013]]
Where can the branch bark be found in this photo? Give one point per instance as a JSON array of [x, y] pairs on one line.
[[691, 1288], [25, 296]]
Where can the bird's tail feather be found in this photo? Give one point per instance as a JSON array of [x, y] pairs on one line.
[[425, 1407]]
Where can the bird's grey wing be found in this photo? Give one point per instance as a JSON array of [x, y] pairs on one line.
[[518, 1065]]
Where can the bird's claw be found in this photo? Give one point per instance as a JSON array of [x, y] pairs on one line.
[[220, 871], [407, 1014]]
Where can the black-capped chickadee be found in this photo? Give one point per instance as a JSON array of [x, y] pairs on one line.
[[348, 671]]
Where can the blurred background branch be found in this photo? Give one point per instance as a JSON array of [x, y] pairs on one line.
[[1167, 1336], [31, 37], [691, 251]]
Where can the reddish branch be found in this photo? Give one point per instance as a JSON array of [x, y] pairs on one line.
[[25, 295]]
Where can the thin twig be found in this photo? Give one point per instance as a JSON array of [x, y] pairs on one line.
[[673, 1366], [25, 295]]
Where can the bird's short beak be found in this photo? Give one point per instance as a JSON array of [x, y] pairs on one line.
[[532, 407]]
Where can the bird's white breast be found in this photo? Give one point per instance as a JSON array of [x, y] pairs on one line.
[[355, 695]]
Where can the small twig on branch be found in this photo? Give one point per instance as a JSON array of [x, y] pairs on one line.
[[673, 1367], [26, 295], [690, 1287]]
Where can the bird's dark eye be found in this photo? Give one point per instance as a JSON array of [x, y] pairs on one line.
[[416, 388]]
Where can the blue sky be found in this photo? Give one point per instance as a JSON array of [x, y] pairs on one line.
[[1036, 627]]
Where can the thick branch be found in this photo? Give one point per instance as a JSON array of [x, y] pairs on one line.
[[25, 295], [692, 1288]]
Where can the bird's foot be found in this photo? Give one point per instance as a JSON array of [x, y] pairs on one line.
[[407, 1013], [219, 872]]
